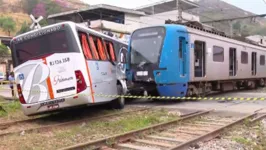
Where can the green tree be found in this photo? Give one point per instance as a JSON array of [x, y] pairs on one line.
[[245, 31], [24, 28], [44, 22], [2, 20], [28, 5], [237, 26], [52, 7], [4, 51], [8, 25], [260, 31]]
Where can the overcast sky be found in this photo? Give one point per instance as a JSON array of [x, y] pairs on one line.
[[255, 6]]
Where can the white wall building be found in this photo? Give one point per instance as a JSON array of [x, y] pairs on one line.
[[258, 39], [157, 13]]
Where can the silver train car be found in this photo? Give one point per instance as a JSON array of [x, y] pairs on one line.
[[188, 60]]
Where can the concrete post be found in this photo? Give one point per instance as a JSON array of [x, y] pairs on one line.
[[231, 28], [179, 9]]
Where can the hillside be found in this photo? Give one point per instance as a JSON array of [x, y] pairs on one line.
[[218, 9], [17, 11]]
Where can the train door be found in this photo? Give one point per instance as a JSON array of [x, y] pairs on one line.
[[199, 59], [254, 63], [182, 54], [232, 62]]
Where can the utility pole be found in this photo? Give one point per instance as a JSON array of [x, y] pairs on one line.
[[231, 28], [179, 10]]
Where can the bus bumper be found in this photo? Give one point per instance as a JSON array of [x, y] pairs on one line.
[[82, 98]]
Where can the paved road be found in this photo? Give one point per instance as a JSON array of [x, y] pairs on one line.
[[239, 106], [5, 91], [233, 106]]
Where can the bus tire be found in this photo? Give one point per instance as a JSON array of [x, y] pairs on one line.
[[119, 103]]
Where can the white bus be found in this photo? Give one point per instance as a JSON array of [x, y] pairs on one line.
[[65, 65]]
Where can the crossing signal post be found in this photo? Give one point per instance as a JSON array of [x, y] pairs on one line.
[[35, 22]]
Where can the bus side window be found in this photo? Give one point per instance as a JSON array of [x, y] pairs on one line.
[[101, 49], [106, 49], [85, 46], [110, 50], [93, 47]]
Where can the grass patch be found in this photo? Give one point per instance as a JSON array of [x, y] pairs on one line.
[[8, 108], [88, 131], [250, 136], [241, 140], [117, 126], [134, 122]]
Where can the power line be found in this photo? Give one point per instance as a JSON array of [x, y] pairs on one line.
[[168, 8]]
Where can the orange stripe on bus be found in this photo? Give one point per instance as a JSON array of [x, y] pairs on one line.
[[49, 83], [92, 92]]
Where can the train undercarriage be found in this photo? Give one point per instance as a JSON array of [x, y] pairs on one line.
[[199, 89]]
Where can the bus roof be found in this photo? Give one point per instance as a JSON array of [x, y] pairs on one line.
[[73, 24], [100, 34]]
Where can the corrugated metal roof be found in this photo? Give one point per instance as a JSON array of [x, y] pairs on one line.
[[5, 37], [166, 5], [100, 6]]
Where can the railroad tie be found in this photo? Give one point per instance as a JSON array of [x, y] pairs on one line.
[[165, 139], [154, 143], [136, 147]]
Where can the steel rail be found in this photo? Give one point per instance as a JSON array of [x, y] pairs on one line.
[[210, 135], [128, 135], [11, 123]]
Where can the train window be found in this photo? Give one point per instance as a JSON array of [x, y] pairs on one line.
[[218, 54], [232, 62], [244, 57], [262, 60], [200, 59], [181, 47]]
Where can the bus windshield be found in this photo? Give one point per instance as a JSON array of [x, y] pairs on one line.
[[55, 42], [146, 45]]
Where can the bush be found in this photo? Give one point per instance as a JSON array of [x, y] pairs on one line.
[[8, 24]]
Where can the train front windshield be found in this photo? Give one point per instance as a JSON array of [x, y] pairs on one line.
[[146, 45]]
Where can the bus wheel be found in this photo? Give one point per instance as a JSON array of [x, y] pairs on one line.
[[119, 103]]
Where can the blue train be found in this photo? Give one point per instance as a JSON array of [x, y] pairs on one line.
[[187, 60]]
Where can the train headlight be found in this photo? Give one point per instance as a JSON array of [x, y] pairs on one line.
[[142, 73]]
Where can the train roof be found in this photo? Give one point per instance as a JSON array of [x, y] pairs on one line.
[[207, 31], [72, 24], [198, 28]]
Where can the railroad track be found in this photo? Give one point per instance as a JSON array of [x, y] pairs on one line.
[[4, 127], [174, 135]]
